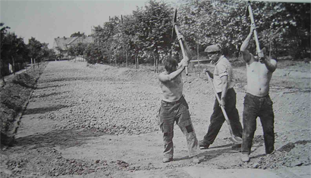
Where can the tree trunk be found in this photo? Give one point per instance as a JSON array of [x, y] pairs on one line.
[[154, 63], [31, 62], [157, 60], [156, 54], [14, 67], [136, 61], [2, 73], [276, 47], [198, 53], [126, 58]]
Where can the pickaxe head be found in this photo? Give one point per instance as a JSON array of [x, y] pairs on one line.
[[175, 16], [246, 12], [246, 9]]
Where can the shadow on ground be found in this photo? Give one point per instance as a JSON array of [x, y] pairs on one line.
[[61, 138], [43, 110], [51, 94]]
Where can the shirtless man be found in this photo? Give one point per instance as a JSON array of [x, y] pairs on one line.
[[174, 108], [257, 102]]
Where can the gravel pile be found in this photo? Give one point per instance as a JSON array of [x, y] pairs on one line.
[[98, 98]]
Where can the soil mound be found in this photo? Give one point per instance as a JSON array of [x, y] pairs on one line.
[[13, 96]]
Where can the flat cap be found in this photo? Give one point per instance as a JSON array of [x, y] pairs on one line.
[[213, 48]]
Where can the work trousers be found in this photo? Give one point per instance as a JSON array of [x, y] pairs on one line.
[[217, 118], [258, 107], [169, 113]]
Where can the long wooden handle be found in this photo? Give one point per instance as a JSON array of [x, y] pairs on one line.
[[222, 108], [181, 46], [255, 31]]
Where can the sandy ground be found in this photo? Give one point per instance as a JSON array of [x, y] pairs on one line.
[[100, 121]]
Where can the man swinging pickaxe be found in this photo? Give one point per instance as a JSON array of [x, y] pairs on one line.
[[180, 38], [257, 102]]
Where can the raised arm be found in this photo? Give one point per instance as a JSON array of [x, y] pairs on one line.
[[246, 41], [271, 64], [243, 50], [168, 77], [184, 61]]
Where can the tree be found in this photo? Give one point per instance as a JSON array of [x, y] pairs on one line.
[[93, 54], [225, 22], [146, 34], [13, 50], [103, 38], [153, 29], [209, 22], [77, 34], [61, 53], [3, 32], [34, 47], [77, 50]]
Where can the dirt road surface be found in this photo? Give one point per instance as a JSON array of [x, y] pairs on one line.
[[100, 121]]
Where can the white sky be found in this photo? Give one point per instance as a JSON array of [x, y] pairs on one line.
[[48, 19]]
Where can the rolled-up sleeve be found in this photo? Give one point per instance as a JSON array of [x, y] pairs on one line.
[[222, 70]]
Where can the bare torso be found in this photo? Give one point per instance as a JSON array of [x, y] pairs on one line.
[[258, 78]]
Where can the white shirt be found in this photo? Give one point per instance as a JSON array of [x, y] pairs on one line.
[[223, 68]]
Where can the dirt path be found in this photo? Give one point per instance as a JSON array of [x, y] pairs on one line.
[[100, 121]]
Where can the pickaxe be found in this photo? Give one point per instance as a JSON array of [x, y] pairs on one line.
[[260, 53], [180, 38]]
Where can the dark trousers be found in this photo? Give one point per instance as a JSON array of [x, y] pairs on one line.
[[258, 107], [178, 112], [217, 118]]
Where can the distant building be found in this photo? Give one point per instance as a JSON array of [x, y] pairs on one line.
[[64, 43]]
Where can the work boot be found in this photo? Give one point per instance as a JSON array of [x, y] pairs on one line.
[[203, 144], [166, 160], [245, 157]]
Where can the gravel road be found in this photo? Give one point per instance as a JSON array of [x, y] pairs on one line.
[[100, 121]]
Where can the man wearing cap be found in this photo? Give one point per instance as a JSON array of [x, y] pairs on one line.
[[257, 102], [223, 82]]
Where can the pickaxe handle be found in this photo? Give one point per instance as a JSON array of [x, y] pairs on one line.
[[180, 39], [181, 43], [260, 54]]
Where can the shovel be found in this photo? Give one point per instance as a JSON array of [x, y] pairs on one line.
[[233, 138]]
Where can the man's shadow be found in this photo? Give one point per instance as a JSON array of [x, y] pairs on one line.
[[215, 151], [210, 153]]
